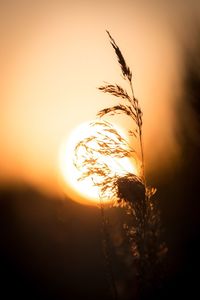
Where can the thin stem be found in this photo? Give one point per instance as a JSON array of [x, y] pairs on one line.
[[106, 252], [145, 199], [135, 105]]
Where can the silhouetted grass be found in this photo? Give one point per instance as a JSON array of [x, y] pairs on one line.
[[127, 190]]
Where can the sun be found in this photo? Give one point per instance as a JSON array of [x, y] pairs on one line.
[[84, 191]]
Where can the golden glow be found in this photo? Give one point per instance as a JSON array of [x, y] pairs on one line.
[[85, 188], [52, 59]]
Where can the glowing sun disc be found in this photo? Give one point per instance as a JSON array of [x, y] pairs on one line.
[[85, 191]]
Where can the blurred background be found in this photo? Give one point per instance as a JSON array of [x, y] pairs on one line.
[[53, 56]]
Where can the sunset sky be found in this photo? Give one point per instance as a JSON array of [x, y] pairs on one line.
[[53, 56]]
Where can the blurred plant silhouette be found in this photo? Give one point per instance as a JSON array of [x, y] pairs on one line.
[[126, 190]]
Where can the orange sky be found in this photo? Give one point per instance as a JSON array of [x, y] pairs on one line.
[[53, 56]]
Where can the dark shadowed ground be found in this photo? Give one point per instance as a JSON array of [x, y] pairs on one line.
[[49, 249]]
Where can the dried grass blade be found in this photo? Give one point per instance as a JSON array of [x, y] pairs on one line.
[[116, 91], [125, 69]]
